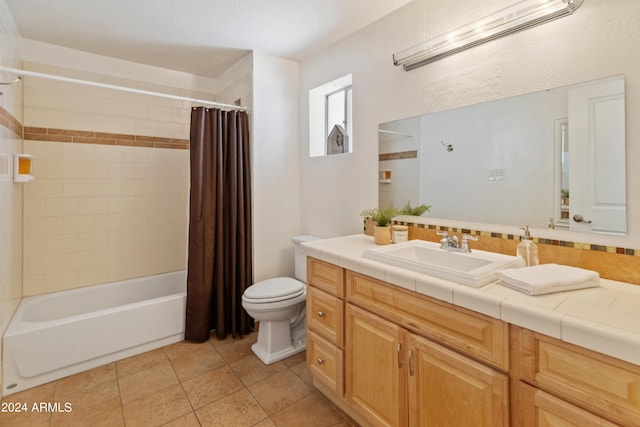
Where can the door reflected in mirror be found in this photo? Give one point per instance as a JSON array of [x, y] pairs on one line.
[[538, 159]]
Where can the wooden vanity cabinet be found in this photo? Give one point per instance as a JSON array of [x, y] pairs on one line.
[[392, 357], [395, 377]]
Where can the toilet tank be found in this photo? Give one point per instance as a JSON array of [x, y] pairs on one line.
[[300, 258]]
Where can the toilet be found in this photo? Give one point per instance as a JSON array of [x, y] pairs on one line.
[[279, 305]]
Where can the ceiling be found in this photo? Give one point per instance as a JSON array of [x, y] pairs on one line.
[[201, 37]]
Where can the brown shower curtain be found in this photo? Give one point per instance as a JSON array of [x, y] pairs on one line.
[[220, 261]]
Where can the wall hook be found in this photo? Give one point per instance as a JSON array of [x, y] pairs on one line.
[[449, 147]]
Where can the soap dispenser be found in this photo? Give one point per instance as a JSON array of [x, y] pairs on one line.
[[527, 250]]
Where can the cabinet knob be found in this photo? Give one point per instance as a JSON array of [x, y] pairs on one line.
[[320, 361], [321, 314]]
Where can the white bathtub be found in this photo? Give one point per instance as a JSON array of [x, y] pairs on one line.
[[54, 335]]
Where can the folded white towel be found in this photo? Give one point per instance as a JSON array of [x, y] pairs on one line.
[[548, 278]]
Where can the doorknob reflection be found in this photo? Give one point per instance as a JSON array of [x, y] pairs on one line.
[[580, 218]]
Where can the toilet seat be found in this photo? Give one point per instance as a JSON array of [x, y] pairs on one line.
[[273, 290]]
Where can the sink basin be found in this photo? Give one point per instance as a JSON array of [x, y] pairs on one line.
[[475, 269]]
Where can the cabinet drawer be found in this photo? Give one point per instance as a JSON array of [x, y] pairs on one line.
[[325, 315], [325, 361], [599, 383], [471, 333], [325, 276], [543, 409]]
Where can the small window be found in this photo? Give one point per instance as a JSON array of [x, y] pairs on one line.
[[330, 125]]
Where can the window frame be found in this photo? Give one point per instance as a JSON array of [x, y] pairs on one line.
[[318, 132], [347, 113]]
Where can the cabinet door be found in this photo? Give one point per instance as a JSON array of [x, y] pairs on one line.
[[448, 389], [541, 409], [375, 368]]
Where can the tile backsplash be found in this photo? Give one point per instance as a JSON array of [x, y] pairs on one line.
[[622, 264]]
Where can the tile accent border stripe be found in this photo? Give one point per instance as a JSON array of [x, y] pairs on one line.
[[102, 138], [562, 243], [11, 123], [400, 155]]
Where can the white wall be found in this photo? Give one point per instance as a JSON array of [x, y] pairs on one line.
[[599, 40], [276, 176]]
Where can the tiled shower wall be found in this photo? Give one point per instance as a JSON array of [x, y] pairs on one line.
[[110, 195], [10, 197]]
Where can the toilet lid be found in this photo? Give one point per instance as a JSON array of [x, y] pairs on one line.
[[271, 290]]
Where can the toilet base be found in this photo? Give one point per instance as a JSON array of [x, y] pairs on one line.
[[269, 358], [275, 343]]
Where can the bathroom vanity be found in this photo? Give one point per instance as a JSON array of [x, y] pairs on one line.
[[392, 347]]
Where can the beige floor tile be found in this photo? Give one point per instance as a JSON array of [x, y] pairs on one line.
[[147, 381], [295, 359], [140, 362], [302, 372], [222, 379], [278, 391], [81, 382], [184, 348], [189, 420], [25, 419], [157, 408], [100, 418], [313, 409], [232, 349], [104, 397], [211, 386], [265, 423], [238, 409], [251, 369], [23, 414], [198, 361]]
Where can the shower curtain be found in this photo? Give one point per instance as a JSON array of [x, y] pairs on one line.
[[220, 252]]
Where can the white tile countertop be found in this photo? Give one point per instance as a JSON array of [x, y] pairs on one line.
[[605, 319]]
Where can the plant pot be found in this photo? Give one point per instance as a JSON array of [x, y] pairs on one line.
[[369, 226], [382, 235]]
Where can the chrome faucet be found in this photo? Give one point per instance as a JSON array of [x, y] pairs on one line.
[[453, 243]]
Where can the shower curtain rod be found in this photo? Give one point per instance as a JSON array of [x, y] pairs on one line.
[[114, 87]]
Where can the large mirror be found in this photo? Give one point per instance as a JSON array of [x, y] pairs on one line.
[[554, 158]]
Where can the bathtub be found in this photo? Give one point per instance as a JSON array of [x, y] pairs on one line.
[[54, 335]]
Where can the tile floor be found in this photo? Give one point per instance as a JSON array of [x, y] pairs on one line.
[[217, 383]]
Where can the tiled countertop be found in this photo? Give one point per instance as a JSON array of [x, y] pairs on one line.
[[604, 319]]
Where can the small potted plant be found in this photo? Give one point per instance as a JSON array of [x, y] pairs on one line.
[[417, 210], [382, 217]]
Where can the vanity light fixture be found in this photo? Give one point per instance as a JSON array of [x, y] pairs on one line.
[[517, 17]]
